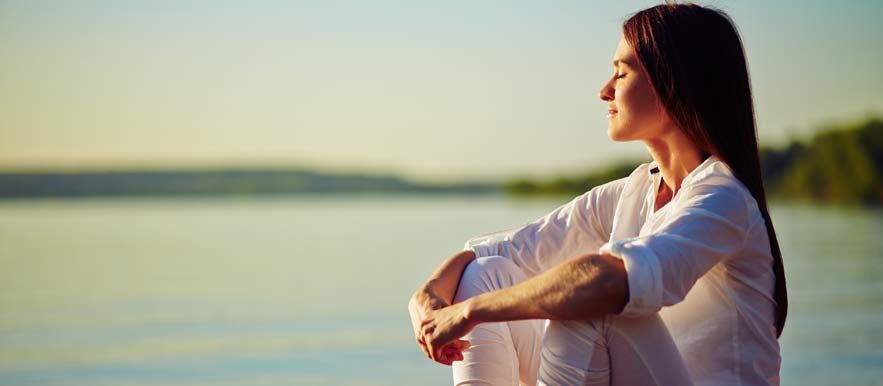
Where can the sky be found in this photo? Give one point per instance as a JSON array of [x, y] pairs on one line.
[[431, 90]]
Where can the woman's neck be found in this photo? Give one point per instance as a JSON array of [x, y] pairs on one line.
[[676, 156]]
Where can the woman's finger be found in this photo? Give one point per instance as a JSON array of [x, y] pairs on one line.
[[431, 351], [443, 359], [449, 354], [453, 354], [422, 344], [423, 347], [441, 353]]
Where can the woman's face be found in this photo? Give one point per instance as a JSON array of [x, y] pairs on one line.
[[634, 112]]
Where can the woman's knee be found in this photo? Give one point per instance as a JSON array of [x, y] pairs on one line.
[[621, 350], [489, 265], [576, 352], [486, 274]]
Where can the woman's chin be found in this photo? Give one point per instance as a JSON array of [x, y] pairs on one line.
[[616, 135]]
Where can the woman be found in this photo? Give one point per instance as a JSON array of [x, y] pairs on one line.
[[670, 276]]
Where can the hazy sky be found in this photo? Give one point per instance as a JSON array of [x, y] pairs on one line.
[[429, 89]]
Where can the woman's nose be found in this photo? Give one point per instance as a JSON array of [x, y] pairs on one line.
[[606, 93]]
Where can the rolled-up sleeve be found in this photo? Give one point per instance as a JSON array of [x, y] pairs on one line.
[[577, 227], [707, 226]]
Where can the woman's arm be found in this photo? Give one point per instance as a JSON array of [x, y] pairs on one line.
[[582, 288], [437, 293], [580, 226], [443, 282]]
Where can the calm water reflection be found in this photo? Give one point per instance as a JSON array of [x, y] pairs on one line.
[[313, 290]]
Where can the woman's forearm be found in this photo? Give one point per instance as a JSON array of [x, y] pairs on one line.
[[579, 289], [444, 281]]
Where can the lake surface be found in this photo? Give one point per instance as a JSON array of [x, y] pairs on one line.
[[313, 290]]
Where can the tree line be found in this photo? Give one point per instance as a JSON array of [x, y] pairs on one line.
[[839, 164]]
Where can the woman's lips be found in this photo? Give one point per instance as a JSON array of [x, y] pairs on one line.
[[611, 112]]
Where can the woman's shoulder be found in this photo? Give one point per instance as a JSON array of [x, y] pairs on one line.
[[713, 171], [715, 182], [715, 175]]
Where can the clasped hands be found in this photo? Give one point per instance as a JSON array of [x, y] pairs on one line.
[[438, 327]]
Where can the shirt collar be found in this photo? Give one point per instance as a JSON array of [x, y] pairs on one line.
[[653, 169]]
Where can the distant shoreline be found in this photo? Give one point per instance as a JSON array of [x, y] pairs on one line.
[[842, 164], [214, 182]]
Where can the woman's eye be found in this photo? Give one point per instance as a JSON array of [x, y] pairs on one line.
[[620, 76]]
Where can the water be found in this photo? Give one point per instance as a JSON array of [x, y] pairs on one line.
[[313, 290]]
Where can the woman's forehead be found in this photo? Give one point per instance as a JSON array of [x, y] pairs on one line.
[[624, 54]]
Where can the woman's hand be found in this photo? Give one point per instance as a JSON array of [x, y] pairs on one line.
[[421, 304], [437, 293], [441, 330]]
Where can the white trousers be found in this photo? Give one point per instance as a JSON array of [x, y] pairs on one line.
[[611, 350]]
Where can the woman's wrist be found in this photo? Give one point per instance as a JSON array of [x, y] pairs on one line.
[[473, 311]]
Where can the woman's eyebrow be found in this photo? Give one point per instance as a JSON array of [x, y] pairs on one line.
[[618, 61]]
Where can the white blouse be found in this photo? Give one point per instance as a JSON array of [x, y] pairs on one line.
[[703, 261]]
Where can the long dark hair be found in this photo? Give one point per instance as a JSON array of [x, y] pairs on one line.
[[694, 58]]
